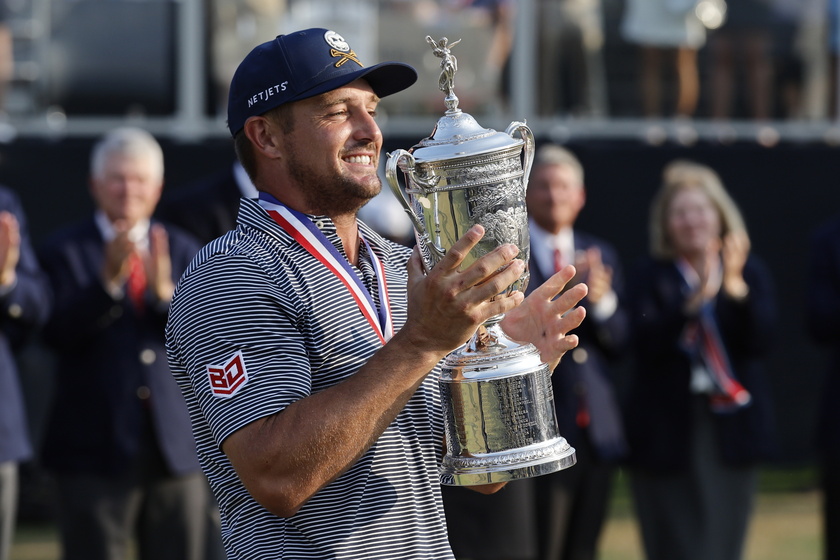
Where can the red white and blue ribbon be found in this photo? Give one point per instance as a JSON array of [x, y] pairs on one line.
[[701, 338], [385, 319], [301, 228]]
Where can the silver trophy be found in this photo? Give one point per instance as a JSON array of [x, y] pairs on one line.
[[499, 405]]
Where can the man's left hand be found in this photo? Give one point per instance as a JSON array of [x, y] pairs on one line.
[[545, 321]]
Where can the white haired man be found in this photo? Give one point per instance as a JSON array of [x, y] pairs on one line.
[[119, 440]]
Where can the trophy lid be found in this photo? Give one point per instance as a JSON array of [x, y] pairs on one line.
[[457, 134]]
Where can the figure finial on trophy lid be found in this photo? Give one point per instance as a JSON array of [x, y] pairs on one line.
[[449, 65]]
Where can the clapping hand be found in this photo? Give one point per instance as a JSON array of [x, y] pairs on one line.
[[9, 248], [592, 270], [159, 264], [115, 268], [736, 248]]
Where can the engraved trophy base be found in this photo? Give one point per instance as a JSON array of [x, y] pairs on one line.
[[499, 412]]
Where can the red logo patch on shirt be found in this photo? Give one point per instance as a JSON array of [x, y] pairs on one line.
[[227, 379]]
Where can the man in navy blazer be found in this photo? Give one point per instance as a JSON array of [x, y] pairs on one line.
[[823, 318], [24, 305], [119, 439], [572, 503]]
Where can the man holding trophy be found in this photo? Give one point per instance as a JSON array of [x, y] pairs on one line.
[[308, 347]]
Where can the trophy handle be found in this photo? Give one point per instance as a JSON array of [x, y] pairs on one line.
[[394, 182], [529, 148], [429, 251]]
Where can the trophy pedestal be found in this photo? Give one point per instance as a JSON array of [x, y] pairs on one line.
[[499, 412]]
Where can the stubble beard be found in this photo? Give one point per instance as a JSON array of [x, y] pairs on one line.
[[332, 194]]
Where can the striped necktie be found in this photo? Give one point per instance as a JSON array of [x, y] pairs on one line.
[[703, 337]]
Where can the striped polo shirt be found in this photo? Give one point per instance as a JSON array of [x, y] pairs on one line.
[[258, 323]]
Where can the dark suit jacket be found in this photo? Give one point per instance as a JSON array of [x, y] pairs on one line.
[[586, 371], [823, 319], [659, 408], [206, 208], [22, 309], [108, 357]]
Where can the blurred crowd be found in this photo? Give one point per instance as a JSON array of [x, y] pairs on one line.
[[705, 59]]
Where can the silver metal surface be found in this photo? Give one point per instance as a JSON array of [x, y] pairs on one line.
[[498, 401], [500, 420]]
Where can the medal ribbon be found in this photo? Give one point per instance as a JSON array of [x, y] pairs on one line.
[[385, 299], [301, 228]]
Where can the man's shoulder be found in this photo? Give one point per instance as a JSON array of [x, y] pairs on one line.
[[221, 276], [240, 253]]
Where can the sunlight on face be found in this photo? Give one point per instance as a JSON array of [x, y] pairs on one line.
[[333, 154]]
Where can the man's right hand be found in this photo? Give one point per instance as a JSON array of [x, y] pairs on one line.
[[447, 305]]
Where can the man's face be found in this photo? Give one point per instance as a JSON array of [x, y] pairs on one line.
[[128, 188], [555, 197], [333, 153]]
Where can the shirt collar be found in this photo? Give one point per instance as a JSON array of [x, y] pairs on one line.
[[139, 234], [543, 244], [327, 227], [325, 224]]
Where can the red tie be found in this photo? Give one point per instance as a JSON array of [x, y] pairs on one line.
[[136, 284], [582, 416], [558, 260]]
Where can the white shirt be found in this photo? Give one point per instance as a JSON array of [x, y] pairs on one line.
[[543, 245], [139, 234]]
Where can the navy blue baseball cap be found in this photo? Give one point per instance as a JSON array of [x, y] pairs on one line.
[[300, 65]]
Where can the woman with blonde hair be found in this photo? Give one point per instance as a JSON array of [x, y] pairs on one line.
[[698, 415]]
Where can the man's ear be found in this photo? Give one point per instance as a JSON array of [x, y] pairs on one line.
[[264, 136]]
